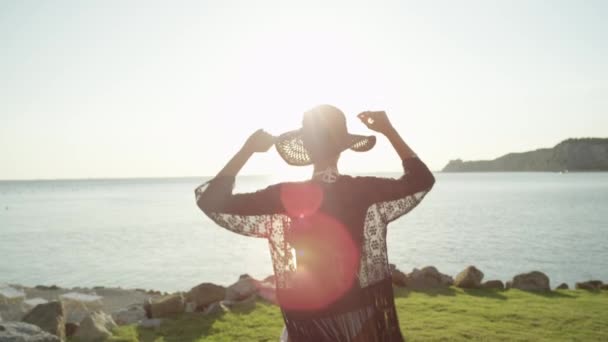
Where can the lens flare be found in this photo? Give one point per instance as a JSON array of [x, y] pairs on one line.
[[301, 199], [327, 261]]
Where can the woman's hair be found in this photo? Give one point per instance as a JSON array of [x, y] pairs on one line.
[[322, 132]]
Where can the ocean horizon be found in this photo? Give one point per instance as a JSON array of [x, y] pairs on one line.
[[148, 232]]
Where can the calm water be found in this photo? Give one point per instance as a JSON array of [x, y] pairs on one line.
[[149, 233]]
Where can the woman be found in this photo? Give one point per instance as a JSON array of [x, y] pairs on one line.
[[327, 235]]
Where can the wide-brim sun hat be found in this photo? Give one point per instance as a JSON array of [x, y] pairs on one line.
[[323, 135]]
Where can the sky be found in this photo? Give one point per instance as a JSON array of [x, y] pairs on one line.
[[105, 89]]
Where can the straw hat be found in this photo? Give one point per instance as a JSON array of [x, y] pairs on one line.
[[323, 135]]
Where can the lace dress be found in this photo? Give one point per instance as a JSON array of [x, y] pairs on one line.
[[328, 247]]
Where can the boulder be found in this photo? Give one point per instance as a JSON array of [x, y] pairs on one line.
[[49, 317], [204, 294], [47, 288], [268, 292], [562, 286], [24, 332], [446, 280], [189, 307], [33, 302], [493, 284], [71, 328], [469, 278], [590, 285], [243, 288], [166, 306], [270, 279], [427, 278], [399, 278], [10, 295], [11, 303], [533, 281], [79, 305], [129, 315], [216, 308], [97, 326], [245, 304], [13, 312], [151, 322]]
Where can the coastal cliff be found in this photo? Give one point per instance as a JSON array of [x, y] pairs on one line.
[[585, 154]]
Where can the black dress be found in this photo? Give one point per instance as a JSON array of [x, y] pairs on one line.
[[328, 247]]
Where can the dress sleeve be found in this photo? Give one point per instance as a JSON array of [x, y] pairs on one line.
[[396, 197], [249, 214]]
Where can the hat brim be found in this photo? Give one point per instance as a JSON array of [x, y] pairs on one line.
[[290, 146]]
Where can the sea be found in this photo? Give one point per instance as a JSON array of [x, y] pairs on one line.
[[149, 233]]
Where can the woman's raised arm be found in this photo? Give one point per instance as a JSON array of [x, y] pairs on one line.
[[259, 141], [378, 121], [246, 213], [395, 197]]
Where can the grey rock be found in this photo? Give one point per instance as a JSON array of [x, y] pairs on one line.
[[270, 279], [493, 284], [243, 288], [562, 286], [446, 280], [245, 304], [11, 302], [24, 332], [31, 303], [13, 312], [71, 328], [204, 294], [166, 306], [469, 278], [268, 292], [151, 322], [428, 278], [189, 307], [78, 305], [129, 315], [50, 317], [95, 327], [532, 281], [399, 278], [47, 288], [590, 285], [216, 309]]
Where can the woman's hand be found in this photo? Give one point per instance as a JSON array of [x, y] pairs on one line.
[[376, 121], [259, 141]]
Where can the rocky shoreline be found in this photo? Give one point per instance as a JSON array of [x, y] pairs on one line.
[[51, 313]]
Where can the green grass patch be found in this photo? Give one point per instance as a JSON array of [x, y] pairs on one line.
[[446, 315]]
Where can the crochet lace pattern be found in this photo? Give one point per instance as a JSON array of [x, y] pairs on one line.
[[290, 146], [336, 233]]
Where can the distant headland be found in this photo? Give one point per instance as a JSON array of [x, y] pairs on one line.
[[584, 154]]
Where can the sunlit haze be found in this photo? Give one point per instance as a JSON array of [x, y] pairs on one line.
[[152, 89]]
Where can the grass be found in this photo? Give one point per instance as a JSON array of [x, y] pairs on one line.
[[446, 315]]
